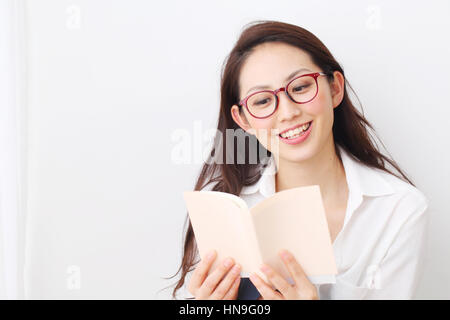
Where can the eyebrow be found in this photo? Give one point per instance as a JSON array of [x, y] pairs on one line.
[[289, 77]]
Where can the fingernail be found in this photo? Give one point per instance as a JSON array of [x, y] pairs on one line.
[[228, 262], [265, 268], [210, 254], [285, 254], [236, 269]]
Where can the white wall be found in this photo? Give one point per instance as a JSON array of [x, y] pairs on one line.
[[12, 149], [109, 82]]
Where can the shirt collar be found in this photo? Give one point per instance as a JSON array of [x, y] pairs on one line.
[[266, 184], [361, 179]]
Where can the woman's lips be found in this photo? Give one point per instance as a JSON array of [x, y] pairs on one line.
[[293, 128], [299, 139]]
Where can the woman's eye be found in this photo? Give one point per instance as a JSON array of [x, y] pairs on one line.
[[262, 101], [297, 89]]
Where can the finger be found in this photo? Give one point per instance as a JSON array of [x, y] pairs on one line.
[[278, 281], [201, 272], [305, 288], [264, 289], [211, 281], [233, 292], [295, 270], [224, 285]]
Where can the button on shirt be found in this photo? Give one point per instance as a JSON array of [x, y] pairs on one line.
[[379, 251]]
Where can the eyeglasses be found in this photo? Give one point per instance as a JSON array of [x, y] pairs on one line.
[[263, 104]]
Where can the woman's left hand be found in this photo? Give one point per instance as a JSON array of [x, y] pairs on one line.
[[303, 289]]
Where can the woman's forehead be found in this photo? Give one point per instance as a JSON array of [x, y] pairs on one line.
[[270, 64]]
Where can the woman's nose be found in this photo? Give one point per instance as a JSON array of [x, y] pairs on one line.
[[287, 108]]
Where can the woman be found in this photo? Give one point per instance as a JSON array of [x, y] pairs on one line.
[[283, 87]]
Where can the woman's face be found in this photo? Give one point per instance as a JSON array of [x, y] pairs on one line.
[[268, 66]]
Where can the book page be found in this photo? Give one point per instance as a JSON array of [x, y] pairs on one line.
[[238, 201], [223, 223], [295, 220]]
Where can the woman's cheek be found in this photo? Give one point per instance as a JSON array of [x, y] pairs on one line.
[[317, 107], [263, 130]]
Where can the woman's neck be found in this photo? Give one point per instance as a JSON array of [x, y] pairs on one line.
[[324, 169]]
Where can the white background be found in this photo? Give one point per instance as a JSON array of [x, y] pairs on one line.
[[109, 82]]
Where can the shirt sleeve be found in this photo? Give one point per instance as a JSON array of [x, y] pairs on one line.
[[400, 270]]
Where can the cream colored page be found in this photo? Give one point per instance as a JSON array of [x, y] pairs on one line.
[[295, 219], [219, 222]]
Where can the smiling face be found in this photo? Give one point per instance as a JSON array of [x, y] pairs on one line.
[[268, 67]]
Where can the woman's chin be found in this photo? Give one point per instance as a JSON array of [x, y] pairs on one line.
[[297, 155]]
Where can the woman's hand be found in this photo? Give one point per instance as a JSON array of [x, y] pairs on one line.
[[221, 284], [303, 289]]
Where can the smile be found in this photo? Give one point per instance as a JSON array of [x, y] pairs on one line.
[[296, 135], [297, 132]]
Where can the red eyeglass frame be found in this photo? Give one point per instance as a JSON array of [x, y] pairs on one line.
[[315, 75]]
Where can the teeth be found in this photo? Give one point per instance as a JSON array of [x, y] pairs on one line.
[[295, 132]]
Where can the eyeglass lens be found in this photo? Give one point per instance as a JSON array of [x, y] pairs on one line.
[[301, 90]]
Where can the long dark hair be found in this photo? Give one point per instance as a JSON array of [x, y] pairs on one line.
[[350, 128]]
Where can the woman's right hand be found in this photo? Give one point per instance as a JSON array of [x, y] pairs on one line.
[[220, 284]]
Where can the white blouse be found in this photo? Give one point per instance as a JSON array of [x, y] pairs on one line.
[[379, 251]]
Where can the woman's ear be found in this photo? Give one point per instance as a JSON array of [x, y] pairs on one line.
[[240, 118], [337, 88]]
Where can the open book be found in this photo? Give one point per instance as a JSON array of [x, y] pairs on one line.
[[292, 219]]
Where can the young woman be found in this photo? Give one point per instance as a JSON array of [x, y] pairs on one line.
[[281, 82]]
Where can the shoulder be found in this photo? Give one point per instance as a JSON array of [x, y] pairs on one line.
[[406, 200], [383, 190], [379, 185], [403, 189]]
